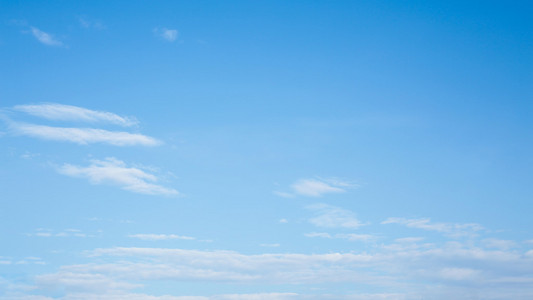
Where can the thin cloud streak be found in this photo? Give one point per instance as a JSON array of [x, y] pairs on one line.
[[311, 187], [83, 136], [115, 172], [159, 237], [450, 229], [61, 112]]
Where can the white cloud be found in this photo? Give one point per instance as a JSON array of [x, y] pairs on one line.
[[159, 237], [60, 112], [329, 216], [116, 172], [450, 229], [314, 188], [450, 271], [318, 234], [45, 38], [168, 34], [83, 136]]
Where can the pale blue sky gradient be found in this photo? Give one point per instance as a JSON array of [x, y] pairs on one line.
[[269, 149]]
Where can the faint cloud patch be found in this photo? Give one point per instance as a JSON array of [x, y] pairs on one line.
[[168, 34], [329, 216], [45, 38], [70, 232], [449, 229], [270, 245], [88, 23], [160, 237], [345, 236]]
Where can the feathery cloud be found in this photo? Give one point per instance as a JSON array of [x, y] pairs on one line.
[[115, 172], [83, 136], [61, 112], [311, 187], [45, 38]]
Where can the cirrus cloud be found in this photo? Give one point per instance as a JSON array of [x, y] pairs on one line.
[[115, 172]]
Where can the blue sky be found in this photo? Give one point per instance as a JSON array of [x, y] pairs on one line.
[[218, 150]]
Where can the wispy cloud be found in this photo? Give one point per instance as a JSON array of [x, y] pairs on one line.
[[448, 265], [447, 271], [159, 237], [61, 112], [42, 232], [269, 245], [314, 188], [329, 216], [79, 135], [450, 229], [499, 244], [45, 38], [87, 23], [311, 187], [83, 136], [345, 236], [115, 172], [167, 34]]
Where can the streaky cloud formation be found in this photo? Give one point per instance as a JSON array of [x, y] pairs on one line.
[[61, 112], [450, 229], [45, 38], [83, 136], [346, 236], [435, 271], [159, 237], [115, 172], [311, 187]]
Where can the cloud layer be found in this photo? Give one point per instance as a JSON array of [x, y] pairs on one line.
[[450, 271]]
